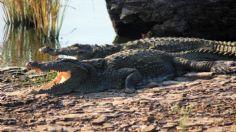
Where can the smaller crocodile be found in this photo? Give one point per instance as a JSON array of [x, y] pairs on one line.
[[168, 44], [126, 69]]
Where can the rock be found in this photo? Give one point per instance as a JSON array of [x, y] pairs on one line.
[[148, 119], [193, 83], [170, 125], [87, 129], [159, 116], [69, 103], [86, 118], [113, 115], [70, 117], [22, 78], [108, 125], [9, 129], [150, 128], [2, 97], [57, 129], [210, 19], [124, 126], [100, 120], [12, 104], [41, 121], [8, 121]]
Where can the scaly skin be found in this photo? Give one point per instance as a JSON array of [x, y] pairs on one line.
[[126, 69], [168, 44]]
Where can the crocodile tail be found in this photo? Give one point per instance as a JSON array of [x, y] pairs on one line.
[[172, 44], [177, 44], [220, 47]]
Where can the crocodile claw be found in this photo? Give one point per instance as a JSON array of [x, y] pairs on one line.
[[129, 90]]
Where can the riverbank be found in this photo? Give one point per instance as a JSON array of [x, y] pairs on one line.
[[207, 104]]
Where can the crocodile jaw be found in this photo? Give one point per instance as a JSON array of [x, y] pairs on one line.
[[69, 75], [58, 81], [61, 77]]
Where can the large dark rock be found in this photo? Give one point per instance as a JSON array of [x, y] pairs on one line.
[[210, 19]]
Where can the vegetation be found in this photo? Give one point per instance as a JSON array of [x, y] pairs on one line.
[[21, 45], [45, 16], [185, 111]]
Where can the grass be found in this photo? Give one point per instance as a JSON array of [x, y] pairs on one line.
[[185, 111], [45, 16]]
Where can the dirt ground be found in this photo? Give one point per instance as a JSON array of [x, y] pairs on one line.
[[204, 104]]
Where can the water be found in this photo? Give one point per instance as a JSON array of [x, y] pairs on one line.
[[86, 22], [1, 26]]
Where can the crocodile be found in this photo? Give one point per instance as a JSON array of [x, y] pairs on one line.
[[127, 69], [168, 44]]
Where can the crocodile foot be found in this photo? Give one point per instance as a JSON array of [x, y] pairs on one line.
[[129, 90], [224, 67]]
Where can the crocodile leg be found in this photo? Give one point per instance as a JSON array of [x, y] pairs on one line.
[[132, 77], [131, 81]]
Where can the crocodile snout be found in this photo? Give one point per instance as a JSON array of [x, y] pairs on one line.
[[32, 65]]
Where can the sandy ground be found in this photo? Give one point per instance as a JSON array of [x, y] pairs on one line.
[[198, 105]]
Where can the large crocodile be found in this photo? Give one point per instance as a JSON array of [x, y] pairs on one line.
[[126, 69], [168, 44]]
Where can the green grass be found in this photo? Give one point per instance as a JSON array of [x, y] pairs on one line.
[[185, 111]]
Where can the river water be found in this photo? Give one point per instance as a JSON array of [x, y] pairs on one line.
[[85, 21]]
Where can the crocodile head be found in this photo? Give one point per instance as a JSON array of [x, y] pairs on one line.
[[71, 73], [81, 51]]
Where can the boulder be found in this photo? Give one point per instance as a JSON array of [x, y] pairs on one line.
[[209, 19]]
